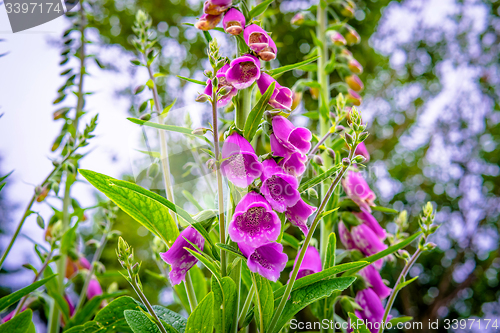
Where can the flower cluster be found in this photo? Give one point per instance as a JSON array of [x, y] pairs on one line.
[[368, 238]]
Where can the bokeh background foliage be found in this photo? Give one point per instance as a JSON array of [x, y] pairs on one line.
[[432, 87]]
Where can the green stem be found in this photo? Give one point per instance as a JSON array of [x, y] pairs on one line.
[[395, 290], [237, 280], [243, 110], [190, 293], [146, 303], [259, 305], [246, 305], [303, 249]]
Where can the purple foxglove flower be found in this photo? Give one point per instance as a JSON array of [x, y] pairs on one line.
[[179, 258], [83, 263], [281, 98], [370, 221], [259, 41], [267, 260], [234, 22], [357, 189], [310, 264], [71, 306], [372, 276], [291, 137], [353, 97], [208, 22], [279, 188], [10, 315], [223, 100], [373, 310], [216, 7], [367, 242], [294, 163], [298, 19], [354, 66], [346, 237], [241, 165], [94, 288], [243, 71], [298, 215], [337, 38], [354, 82], [254, 222], [361, 150]]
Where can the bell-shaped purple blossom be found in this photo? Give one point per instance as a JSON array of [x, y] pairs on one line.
[[291, 138], [94, 288], [357, 189], [243, 71], [208, 22], [71, 306], [240, 163], [361, 150], [234, 22], [179, 258], [260, 42], [367, 242], [294, 163], [298, 215], [254, 222], [281, 98], [279, 188], [371, 221], [267, 260], [373, 310], [216, 7], [221, 75], [346, 237], [310, 264], [372, 276]]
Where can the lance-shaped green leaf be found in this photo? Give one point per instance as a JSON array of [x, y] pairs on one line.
[[386, 252], [327, 273], [170, 128], [202, 318], [224, 303], [10, 299], [88, 310], [210, 265], [175, 320], [19, 324], [358, 325], [264, 300], [230, 249], [331, 247], [404, 284], [302, 297], [385, 210], [259, 9], [255, 116], [192, 80], [139, 203], [139, 322], [319, 179], [199, 285], [397, 320], [280, 70]]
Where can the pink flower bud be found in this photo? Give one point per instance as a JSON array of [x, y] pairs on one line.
[[298, 19], [208, 22], [353, 97], [337, 38], [234, 22], [354, 82], [352, 37], [355, 66]]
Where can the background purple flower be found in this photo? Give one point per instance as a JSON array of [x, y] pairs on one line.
[[216, 7], [367, 242], [243, 71], [267, 260], [241, 165], [346, 237], [94, 289], [310, 264], [179, 258], [281, 98], [279, 188], [298, 215], [208, 22], [373, 310], [254, 222], [361, 150], [357, 189], [370, 221], [372, 276]]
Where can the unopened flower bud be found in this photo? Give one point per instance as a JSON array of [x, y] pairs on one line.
[[318, 160], [266, 127], [354, 66], [352, 37], [136, 268], [312, 193], [346, 162], [225, 90], [354, 82], [296, 99], [145, 117], [298, 19], [353, 97], [359, 159], [348, 139], [430, 246], [346, 53], [211, 164], [153, 170], [331, 153], [208, 22], [202, 98], [42, 192], [208, 73], [268, 116], [337, 38], [404, 254], [314, 92], [234, 22], [339, 128], [347, 9], [200, 131]]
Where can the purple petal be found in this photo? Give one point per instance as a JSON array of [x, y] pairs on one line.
[[94, 289], [234, 22], [208, 22], [372, 276], [346, 237], [279, 188], [279, 149], [267, 260], [294, 164], [370, 221], [310, 264], [216, 7], [256, 38], [361, 150], [367, 242], [254, 222], [281, 98], [358, 190], [373, 310], [287, 134], [299, 213], [243, 71], [241, 165]]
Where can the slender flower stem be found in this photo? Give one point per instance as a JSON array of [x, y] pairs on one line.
[[220, 189], [193, 302], [146, 303], [246, 305], [237, 280], [37, 276], [261, 315], [95, 259], [302, 252], [320, 142], [395, 290]]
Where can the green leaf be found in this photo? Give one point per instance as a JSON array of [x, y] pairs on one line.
[[255, 115], [302, 297], [154, 154], [1, 186], [264, 300], [175, 320], [386, 252], [280, 70], [90, 308], [167, 108], [357, 324], [259, 9], [385, 210], [19, 324], [318, 179], [192, 80], [224, 303], [404, 284], [10, 299], [139, 322], [199, 285], [135, 201], [68, 240], [52, 287], [192, 200], [331, 247], [5, 177], [110, 318], [210, 265], [171, 128], [327, 273], [292, 241], [202, 318], [230, 249], [397, 320]]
